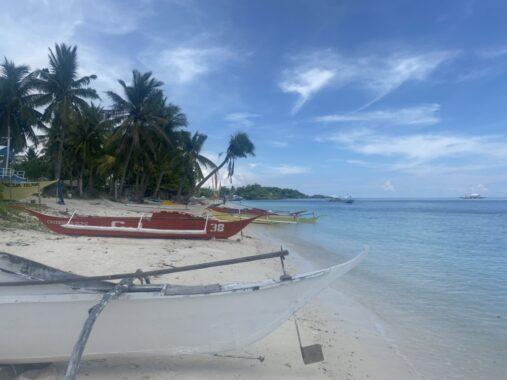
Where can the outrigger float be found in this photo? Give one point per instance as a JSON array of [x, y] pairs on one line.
[[43, 310], [262, 216], [159, 225]]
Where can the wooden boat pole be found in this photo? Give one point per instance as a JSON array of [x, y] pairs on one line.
[[77, 351], [141, 274]]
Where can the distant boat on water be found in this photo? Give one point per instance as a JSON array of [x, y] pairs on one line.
[[347, 199], [472, 196]]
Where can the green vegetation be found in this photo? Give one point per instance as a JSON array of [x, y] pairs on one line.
[[258, 192], [139, 147]]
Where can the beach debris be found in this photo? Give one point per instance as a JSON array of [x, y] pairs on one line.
[[17, 243], [311, 354]]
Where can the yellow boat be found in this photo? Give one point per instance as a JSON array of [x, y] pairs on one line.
[[270, 218], [19, 191]]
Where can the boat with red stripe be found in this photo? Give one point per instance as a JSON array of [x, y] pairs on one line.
[[159, 225]]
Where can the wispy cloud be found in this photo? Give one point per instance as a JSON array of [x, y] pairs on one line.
[[279, 144], [241, 119], [384, 75], [422, 115], [379, 75], [493, 52], [425, 153], [187, 63], [289, 169], [305, 82], [25, 36]]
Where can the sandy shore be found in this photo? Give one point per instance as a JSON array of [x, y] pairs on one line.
[[354, 346]]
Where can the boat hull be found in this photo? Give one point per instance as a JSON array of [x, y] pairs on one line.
[[264, 219], [161, 225], [44, 328]]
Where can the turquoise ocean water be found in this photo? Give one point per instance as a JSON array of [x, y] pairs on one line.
[[436, 274]]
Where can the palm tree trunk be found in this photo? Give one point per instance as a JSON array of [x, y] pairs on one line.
[[156, 194], [7, 153], [124, 172], [90, 182], [203, 181], [142, 187], [59, 159], [112, 184], [81, 173], [136, 187]]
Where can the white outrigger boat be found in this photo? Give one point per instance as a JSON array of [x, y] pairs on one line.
[[41, 318]]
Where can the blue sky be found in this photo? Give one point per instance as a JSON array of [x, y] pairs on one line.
[[371, 98]]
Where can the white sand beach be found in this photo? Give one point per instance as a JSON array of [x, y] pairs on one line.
[[354, 346]]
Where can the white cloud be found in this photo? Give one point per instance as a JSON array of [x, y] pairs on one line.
[[425, 154], [421, 115], [279, 144], [492, 53], [388, 186], [241, 119], [305, 83], [421, 147], [378, 75], [358, 162], [184, 64], [289, 169], [25, 36]]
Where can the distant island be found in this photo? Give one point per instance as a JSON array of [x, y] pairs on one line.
[[258, 192]]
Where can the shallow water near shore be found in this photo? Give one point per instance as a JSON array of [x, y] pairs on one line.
[[435, 279]]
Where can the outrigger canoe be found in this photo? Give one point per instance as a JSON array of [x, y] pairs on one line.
[[159, 225], [263, 216], [19, 191], [40, 322]]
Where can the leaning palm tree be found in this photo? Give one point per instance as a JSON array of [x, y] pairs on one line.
[[18, 114], [63, 93], [137, 116], [240, 146]]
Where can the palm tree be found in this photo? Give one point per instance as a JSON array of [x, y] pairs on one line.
[[191, 158], [63, 93], [169, 151], [240, 146], [17, 112], [86, 139], [138, 117]]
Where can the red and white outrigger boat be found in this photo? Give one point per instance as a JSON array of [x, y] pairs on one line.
[[158, 225]]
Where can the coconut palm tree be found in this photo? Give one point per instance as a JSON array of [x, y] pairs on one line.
[[18, 115], [138, 117], [63, 93], [240, 146], [169, 151], [86, 138], [191, 159]]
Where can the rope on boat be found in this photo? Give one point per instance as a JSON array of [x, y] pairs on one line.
[[77, 351]]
